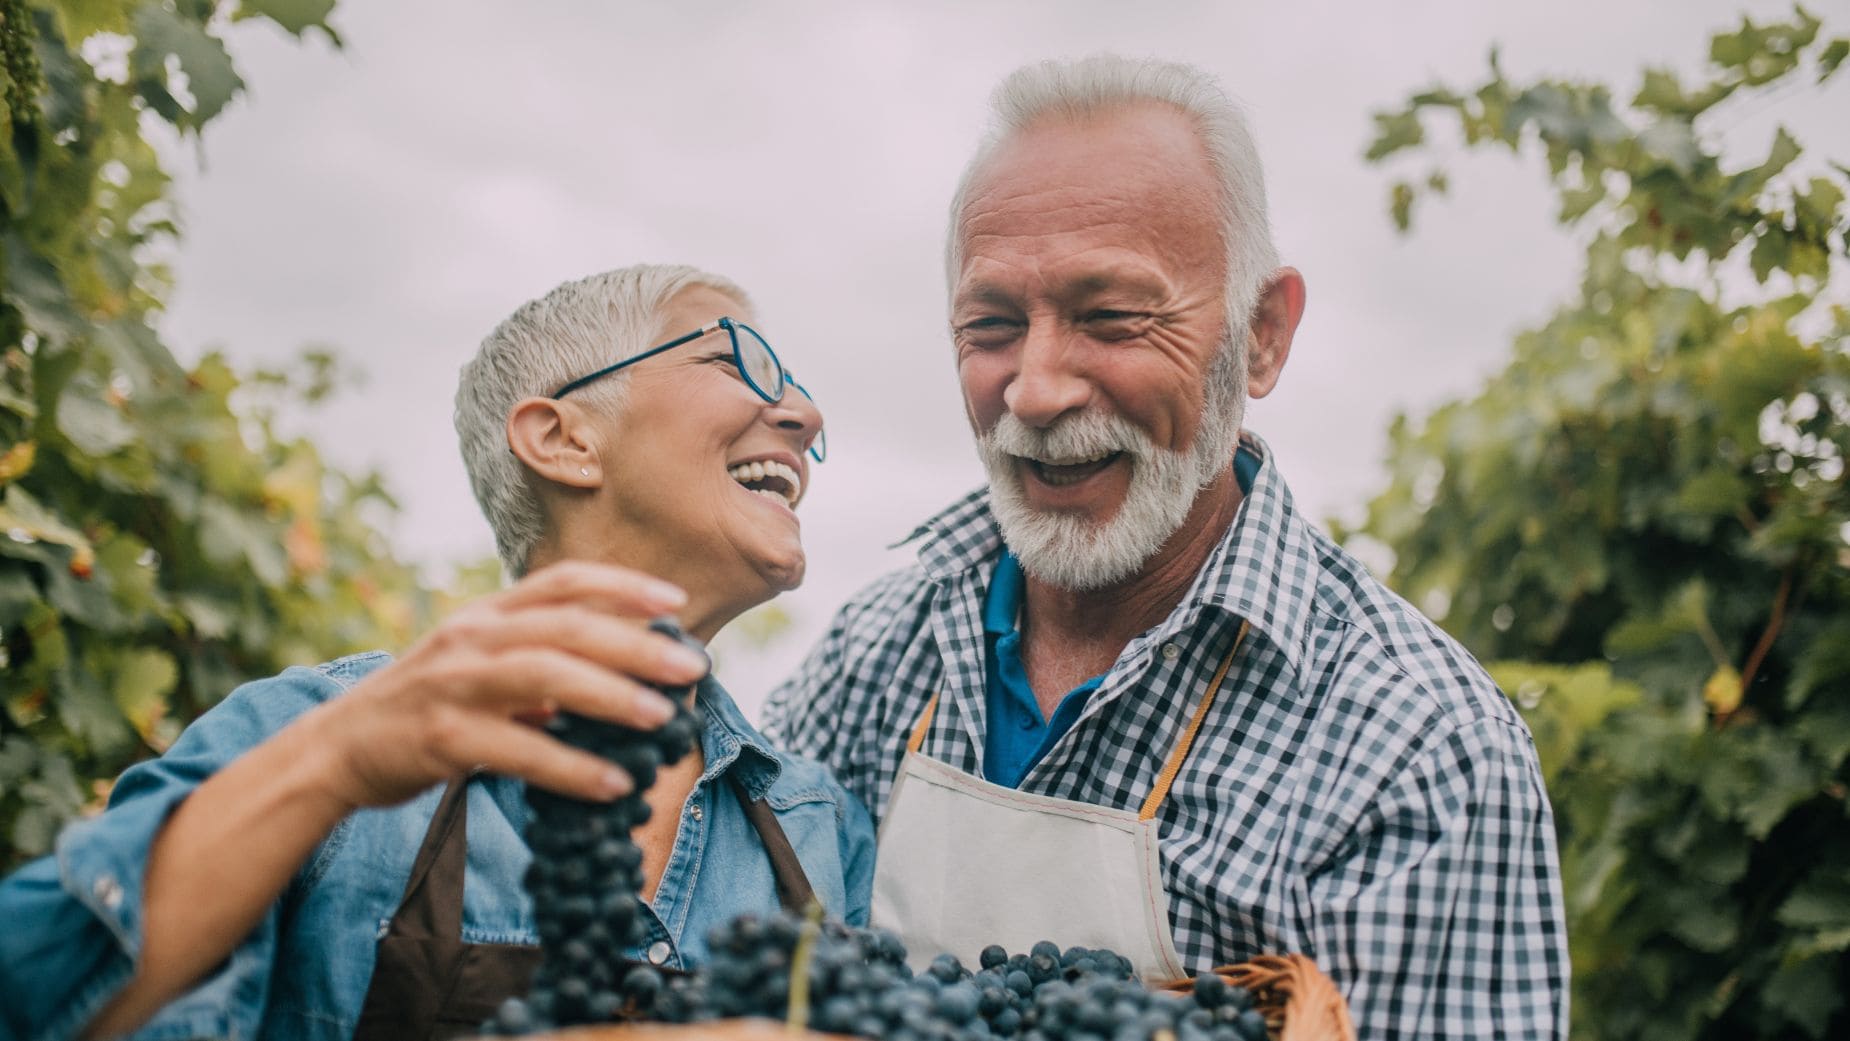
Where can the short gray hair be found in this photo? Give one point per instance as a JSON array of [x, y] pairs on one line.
[[1093, 86], [578, 328]]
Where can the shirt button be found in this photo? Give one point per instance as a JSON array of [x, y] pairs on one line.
[[108, 891], [659, 952], [694, 811], [1171, 652]]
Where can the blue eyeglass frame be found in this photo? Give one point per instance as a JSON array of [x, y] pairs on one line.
[[818, 448]]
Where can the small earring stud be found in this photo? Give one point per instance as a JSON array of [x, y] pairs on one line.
[[585, 470]]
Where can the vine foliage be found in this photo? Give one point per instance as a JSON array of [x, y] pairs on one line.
[[1643, 519], [160, 541]]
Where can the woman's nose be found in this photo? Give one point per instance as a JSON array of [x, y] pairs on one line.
[[797, 412]]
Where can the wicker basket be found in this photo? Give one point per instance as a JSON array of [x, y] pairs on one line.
[[1298, 1001]]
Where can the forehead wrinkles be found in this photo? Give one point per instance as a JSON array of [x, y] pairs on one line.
[[1142, 185]]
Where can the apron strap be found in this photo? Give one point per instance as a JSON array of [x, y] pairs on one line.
[[917, 740], [433, 893], [793, 889], [417, 961], [1176, 757]]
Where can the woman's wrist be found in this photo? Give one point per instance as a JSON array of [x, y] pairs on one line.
[[318, 771]]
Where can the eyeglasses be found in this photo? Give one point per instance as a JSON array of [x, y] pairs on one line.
[[751, 356]]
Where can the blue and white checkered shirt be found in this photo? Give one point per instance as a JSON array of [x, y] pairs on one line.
[[1360, 792]]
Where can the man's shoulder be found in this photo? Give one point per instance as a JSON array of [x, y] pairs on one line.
[[1369, 641], [904, 582], [894, 598], [877, 649]]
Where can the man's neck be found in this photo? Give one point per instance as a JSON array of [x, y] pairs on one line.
[[1068, 636]]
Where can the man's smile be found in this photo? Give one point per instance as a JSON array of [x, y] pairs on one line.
[[1064, 472]]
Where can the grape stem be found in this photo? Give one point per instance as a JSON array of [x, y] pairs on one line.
[[797, 1019]]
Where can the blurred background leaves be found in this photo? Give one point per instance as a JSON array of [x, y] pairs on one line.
[[1642, 520], [160, 543]]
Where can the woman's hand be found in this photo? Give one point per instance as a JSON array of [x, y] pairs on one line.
[[570, 636]]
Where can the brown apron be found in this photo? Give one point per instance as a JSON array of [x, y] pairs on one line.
[[428, 984]]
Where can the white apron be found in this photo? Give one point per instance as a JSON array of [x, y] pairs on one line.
[[964, 863]]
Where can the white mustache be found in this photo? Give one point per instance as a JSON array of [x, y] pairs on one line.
[[1076, 437]]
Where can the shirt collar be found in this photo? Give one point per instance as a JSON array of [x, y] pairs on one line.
[[1265, 570], [731, 743], [1002, 604], [1262, 571]]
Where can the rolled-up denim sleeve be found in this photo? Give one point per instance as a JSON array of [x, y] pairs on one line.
[[74, 918], [857, 843]]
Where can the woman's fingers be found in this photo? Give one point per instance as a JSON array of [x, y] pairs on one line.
[[617, 644], [593, 610], [536, 680], [606, 587], [510, 748], [568, 638]]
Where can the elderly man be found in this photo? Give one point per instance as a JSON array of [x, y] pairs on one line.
[[1129, 697]]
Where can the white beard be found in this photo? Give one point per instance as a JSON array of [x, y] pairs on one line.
[[1072, 552]]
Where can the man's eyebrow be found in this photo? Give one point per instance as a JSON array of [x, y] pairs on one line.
[[1134, 285], [978, 293], [1127, 285]]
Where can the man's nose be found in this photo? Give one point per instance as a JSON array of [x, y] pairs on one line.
[[1047, 383]]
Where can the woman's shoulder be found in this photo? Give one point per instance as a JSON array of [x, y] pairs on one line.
[[304, 686], [802, 779], [346, 671], [796, 779], [253, 712], [310, 683]]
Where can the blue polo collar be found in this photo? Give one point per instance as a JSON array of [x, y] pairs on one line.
[[1019, 736]]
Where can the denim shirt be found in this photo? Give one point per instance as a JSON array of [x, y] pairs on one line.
[[72, 920]]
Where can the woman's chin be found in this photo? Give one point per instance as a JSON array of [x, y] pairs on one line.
[[784, 573]]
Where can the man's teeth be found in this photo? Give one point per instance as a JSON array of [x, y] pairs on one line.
[[751, 473], [1059, 473], [1086, 461]]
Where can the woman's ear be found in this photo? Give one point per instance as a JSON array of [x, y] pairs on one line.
[[553, 439]]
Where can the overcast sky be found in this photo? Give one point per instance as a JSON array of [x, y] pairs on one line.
[[398, 198]]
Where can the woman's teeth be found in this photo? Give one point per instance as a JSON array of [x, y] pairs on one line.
[[775, 479]]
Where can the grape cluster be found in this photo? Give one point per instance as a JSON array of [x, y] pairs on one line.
[[586, 881], [858, 983], [586, 874]]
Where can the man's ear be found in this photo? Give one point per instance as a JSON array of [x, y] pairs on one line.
[[553, 439], [1275, 322]]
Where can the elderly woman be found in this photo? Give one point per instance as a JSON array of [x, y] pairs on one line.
[[337, 852]]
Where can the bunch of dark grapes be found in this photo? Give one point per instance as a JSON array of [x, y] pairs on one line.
[[586, 874], [857, 983], [586, 881]]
